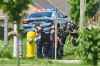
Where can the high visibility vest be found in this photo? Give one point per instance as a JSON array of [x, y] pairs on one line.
[[31, 45]]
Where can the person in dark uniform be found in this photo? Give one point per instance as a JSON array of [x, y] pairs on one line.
[[72, 30], [52, 39], [74, 34], [63, 36], [59, 42], [39, 42], [46, 38]]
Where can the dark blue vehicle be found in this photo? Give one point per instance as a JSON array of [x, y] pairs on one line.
[[41, 18]]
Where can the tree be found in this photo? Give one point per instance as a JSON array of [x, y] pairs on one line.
[[75, 9], [14, 8], [88, 41], [91, 8]]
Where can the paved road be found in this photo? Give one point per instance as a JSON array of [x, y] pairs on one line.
[[62, 5]]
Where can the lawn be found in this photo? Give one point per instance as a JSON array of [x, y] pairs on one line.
[[54, 64], [34, 62], [7, 53]]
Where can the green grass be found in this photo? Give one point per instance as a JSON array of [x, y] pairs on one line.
[[7, 53], [44, 65], [34, 62]]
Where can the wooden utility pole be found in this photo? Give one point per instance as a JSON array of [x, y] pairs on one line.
[[82, 12]]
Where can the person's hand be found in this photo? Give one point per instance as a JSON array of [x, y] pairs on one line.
[[30, 41], [13, 33]]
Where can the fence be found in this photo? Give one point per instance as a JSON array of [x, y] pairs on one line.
[[95, 20]]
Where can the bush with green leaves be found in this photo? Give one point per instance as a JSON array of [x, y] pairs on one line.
[[70, 51], [89, 45]]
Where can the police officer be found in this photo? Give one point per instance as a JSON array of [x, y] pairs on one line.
[[39, 42], [46, 38], [52, 39]]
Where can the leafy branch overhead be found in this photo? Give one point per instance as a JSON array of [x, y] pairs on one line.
[[14, 8], [91, 8]]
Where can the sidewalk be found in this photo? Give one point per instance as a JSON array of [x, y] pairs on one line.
[[68, 61]]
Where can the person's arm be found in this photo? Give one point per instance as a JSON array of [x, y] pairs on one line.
[[12, 33], [59, 40]]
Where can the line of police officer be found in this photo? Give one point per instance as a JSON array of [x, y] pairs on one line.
[[46, 42]]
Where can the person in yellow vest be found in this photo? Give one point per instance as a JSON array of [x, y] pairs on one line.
[[31, 45]]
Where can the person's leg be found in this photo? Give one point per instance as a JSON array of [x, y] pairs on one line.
[[53, 52], [46, 50], [48, 46], [61, 51], [39, 49], [57, 51], [40, 54], [50, 49], [59, 48]]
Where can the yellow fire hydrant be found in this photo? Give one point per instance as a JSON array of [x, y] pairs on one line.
[[31, 45]]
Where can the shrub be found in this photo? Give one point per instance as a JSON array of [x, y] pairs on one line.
[[69, 49], [89, 45]]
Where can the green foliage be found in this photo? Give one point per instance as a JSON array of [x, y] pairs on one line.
[[89, 45], [7, 51], [70, 51], [75, 9], [88, 49], [68, 46], [14, 8], [91, 8]]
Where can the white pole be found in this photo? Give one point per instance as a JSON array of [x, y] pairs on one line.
[[16, 45], [5, 31], [55, 39], [55, 22], [15, 41]]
